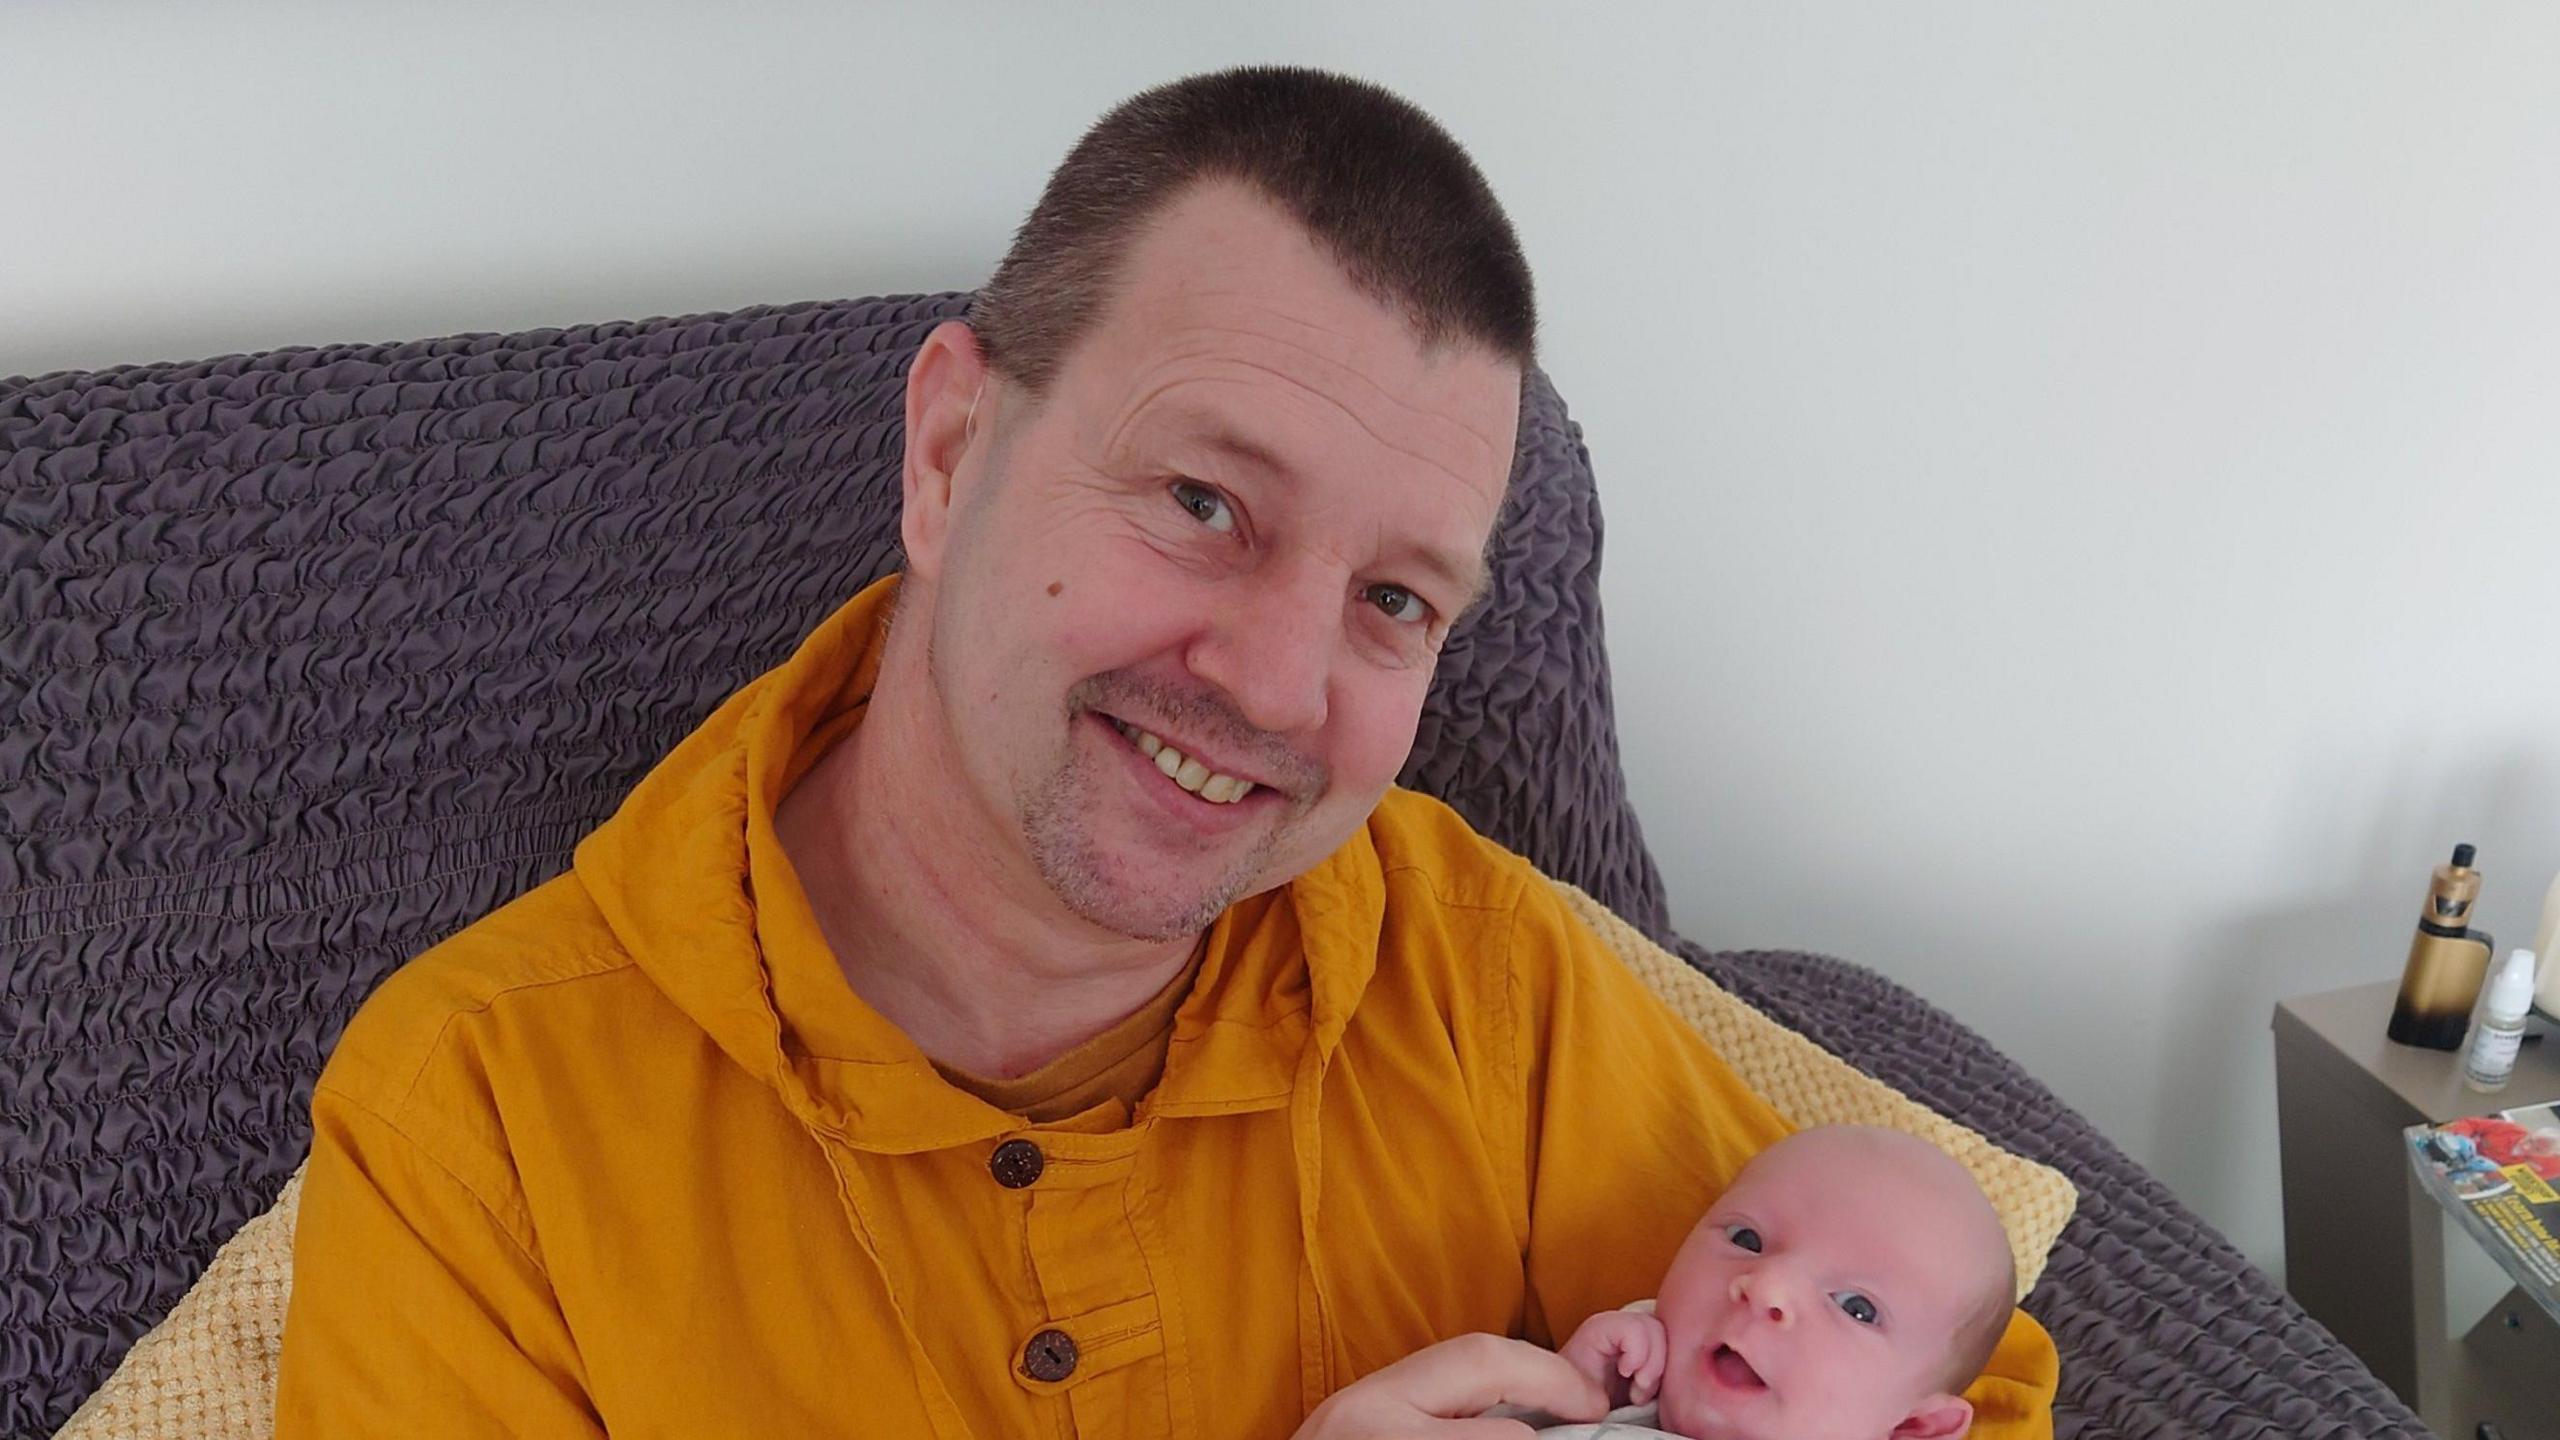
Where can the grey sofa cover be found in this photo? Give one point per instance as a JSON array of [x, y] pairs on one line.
[[308, 659]]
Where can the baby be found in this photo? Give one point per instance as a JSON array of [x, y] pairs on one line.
[[1849, 1286]]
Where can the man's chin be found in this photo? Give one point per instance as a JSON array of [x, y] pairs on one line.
[[1117, 867], [1163, 905], [1148, 918]]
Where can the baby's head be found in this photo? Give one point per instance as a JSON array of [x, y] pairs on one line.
[[1848, 1287]]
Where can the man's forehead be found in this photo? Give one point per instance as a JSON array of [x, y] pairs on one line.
[[1276, 406], [1222, 278], [1222, 249], [1258, 430]]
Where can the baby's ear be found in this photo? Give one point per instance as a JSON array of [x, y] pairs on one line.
[[1940, 1417]]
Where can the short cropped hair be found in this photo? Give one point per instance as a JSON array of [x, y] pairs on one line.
[[1376, 184]]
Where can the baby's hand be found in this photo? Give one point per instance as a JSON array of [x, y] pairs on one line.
[[1624, 1350]]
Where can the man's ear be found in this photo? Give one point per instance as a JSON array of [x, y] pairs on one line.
[[1940, 1417], [943, 386]]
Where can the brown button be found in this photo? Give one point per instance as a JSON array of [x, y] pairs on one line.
[[1016, 1164], [1051, 1355]]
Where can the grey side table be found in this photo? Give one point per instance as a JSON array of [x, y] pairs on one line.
[[2364, 1246]]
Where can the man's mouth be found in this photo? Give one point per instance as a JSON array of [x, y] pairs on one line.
[[1183, 770], [1733, 1372]]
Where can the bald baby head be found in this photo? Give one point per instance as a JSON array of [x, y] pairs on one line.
[[1849, 1285], [1940, 1203]]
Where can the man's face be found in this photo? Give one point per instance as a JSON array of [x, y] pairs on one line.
[[1819, 1298], [1240, 524]]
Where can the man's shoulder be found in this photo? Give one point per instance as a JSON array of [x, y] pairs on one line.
[[1446, 883], [1461, 913], [550, 937], [1419, 838]]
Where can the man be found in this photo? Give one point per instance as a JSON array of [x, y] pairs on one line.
[[1030, 1009]]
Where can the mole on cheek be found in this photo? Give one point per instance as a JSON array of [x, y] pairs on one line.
[[1055, 586]]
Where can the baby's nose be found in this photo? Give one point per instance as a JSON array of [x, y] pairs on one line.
[[1762, 1297]]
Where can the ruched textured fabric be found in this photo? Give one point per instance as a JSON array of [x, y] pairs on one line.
[[310, 658]]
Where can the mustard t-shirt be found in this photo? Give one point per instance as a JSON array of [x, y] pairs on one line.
[[1120, 1064]]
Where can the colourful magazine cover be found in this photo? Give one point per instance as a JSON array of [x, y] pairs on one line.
[[2497, 1174]]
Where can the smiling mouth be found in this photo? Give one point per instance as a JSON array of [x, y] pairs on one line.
[[1181, 769], [1732, 1371]]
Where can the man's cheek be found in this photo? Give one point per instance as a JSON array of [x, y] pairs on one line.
[[1373, 744]]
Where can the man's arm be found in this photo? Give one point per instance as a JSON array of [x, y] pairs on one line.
[[1632, 1125], [419, 1305]]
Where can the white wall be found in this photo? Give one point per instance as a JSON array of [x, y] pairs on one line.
[[2085, 481]]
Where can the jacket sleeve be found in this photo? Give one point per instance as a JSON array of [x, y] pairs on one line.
[[419, 1304], [1632, 1125]]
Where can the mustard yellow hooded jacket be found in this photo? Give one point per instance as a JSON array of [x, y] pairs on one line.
[[630, 1156]]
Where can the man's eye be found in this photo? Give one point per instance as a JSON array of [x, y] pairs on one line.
[[1743, 1237], [1859, 1307], [1206, 505], [1399, 604]]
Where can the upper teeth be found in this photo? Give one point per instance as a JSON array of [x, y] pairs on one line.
[[1186, 772]]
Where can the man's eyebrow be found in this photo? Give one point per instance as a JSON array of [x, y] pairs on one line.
[[1470, 577], [1237, 445]]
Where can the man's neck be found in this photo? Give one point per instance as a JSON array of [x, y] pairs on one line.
[[945, 929]]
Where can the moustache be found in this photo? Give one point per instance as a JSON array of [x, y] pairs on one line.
[[1207, 718]]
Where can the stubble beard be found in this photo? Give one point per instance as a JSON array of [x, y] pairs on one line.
[[1057, 811], [1058, 832]]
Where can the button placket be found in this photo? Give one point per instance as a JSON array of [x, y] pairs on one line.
[[1101, 1336]]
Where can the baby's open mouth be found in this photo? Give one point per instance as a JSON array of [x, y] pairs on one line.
[[1732, 1371]]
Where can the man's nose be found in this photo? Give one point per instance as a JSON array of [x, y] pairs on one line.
[[1271, 649], [1765, 1294]]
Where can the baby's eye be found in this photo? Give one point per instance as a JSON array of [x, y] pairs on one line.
[[1859, 1307], [1743, 1237], [1206, 505]]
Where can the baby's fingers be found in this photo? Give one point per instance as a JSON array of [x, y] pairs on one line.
[[1653, 1351]]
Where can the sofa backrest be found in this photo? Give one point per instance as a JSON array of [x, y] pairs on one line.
[[308, 659]]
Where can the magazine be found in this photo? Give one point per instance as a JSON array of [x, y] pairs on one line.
[[2496, 1173]]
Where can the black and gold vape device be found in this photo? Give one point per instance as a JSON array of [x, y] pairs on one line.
[[2447, 961]]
